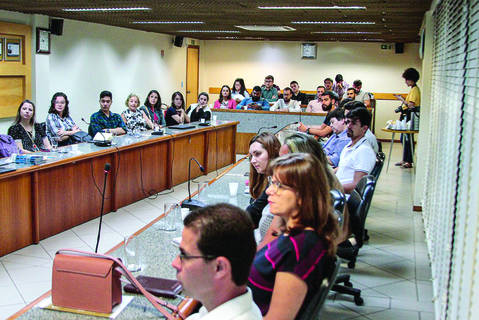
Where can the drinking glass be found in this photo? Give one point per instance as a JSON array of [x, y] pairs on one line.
[[171, 214], [131, 249]]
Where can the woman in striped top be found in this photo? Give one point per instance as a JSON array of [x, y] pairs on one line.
[[285, 272]]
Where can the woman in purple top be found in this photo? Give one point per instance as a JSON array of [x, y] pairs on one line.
[[285, 272]]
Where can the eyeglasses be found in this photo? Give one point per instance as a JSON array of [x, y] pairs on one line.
[[183, 256], [349, 121], [276, 185]]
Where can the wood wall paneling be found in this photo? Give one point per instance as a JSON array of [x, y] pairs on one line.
[[183, 149], [242, 142], [15, 213]]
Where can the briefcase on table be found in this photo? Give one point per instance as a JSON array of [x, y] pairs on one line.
[[91, 282]]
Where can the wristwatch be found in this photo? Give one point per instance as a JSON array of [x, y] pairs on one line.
[[307, 131]]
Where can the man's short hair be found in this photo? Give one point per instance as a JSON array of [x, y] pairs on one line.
[[257, 88], [106, 93], [337, 113], [225, 231], [411, 74], [331, 94], [293, 82], [287, 89], [344, 101], [357, 83], [269, 77], [361, 114], [328, 79], [320, 87], [351, 88], [353, 105], [339, 77]]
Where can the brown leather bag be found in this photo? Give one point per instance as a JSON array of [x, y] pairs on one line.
[[90, 281]]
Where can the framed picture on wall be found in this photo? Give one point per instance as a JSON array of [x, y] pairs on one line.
[[308, 50], [13, 50], [43, 41], [1, 49]]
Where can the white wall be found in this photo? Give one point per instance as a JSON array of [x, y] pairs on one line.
[[89, 58], [379, 70]]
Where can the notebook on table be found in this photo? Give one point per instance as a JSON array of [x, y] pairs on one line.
[[182, 127]]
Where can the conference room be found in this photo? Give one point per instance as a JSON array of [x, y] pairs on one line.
[[401, 271]]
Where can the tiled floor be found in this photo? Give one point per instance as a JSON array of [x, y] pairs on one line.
[[392, 269]]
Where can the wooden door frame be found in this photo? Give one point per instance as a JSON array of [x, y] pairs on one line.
[[198, 69]]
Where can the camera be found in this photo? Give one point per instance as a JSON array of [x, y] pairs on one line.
[[398, 109]]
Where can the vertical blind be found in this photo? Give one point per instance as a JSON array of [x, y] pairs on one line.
[[452, 180]]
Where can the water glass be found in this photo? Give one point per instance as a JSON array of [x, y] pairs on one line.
[[54, 143], [233, 188], [131, 252], [171, 215], [203, 191]]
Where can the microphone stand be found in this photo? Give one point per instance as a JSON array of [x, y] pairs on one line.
[[296, 122], [261, 128], [192, 204], [104, 143], [107, 170]]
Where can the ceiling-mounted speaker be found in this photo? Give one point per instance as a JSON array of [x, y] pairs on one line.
[[178, 42], [56, 26], [399, 47]]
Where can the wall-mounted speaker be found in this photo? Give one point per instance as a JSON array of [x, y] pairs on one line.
[[56, 26], [399, 47], [178, 42]]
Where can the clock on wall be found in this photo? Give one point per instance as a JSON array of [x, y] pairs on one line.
[[308, 50], [43, 40]]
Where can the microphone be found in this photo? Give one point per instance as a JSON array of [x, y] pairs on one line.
[[192, 204], [104, 143], [261, 128], [106, 171], [296, 122]]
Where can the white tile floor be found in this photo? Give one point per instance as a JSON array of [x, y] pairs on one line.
[[392, 269]]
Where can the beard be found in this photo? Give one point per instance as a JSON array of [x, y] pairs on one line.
[[326, 107], [350, 133], [255, 99]]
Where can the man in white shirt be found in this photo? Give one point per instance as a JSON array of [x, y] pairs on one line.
[[286, 103], [368, 135], [357, 158], [361, 95], [316, 105], [216, 252]]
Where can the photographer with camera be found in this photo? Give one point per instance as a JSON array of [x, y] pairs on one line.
[[409, 105]]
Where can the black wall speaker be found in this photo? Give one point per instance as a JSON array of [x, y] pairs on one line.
[[399, 47], [178, 41], [56, 26]]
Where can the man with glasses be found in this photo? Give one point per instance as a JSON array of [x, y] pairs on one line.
[[216, 252], [357, 158], [268, 91]]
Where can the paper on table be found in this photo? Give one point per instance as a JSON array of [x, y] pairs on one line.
[[47, 304]]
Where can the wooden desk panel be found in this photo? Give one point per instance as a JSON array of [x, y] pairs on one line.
[[67, 195], [183, 149], [16, 218]]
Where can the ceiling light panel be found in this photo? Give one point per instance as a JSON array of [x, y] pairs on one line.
[[266, 28], [315, 8], [105, 9], [209, 31], [333, 22], [167, 22]]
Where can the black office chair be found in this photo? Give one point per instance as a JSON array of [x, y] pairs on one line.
[[376, 172], [380, 146]]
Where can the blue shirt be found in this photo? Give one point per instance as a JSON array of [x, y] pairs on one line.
[[263, 103], [335, 144], [99, 121]]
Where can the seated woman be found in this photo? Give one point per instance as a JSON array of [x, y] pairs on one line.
[[225, 101], [239, 91], [28, 135], [176, 113], [285, 273], [152, 108], [135, 119], [200, 110], [263, 148], [60, 126]]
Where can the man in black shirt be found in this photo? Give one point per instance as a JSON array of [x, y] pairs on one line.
[[298, 95]]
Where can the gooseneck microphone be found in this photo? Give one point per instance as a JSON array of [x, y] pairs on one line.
[[261, 128], [192, 204], [104, 143], [106, 171], [296, 122]]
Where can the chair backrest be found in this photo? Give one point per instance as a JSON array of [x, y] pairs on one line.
[[311, 309], [339, 200], [365, 189], [380, 146], [376, 171]]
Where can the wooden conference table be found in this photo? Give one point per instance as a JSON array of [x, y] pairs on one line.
[[39, 201]]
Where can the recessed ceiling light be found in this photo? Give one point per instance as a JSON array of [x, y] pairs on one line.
[[266, 28], [167, 22], [105, 9], [209, 31], [333, 22], [227, 38], [314, 8], [346, 32]]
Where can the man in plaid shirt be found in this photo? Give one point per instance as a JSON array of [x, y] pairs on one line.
[[104, 120]]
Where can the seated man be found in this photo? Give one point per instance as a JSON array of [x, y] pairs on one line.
[[298, 95], [357, 158], [255, 102], [351, 92], [361, 95], [216, 252], [369, 135], [286, 103], [328, 84], [268, 91], [329, 101], [338, 140], [316, 105], [104, 120], [340, 86]]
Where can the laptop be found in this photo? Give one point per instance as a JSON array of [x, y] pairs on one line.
[[181, 127]]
